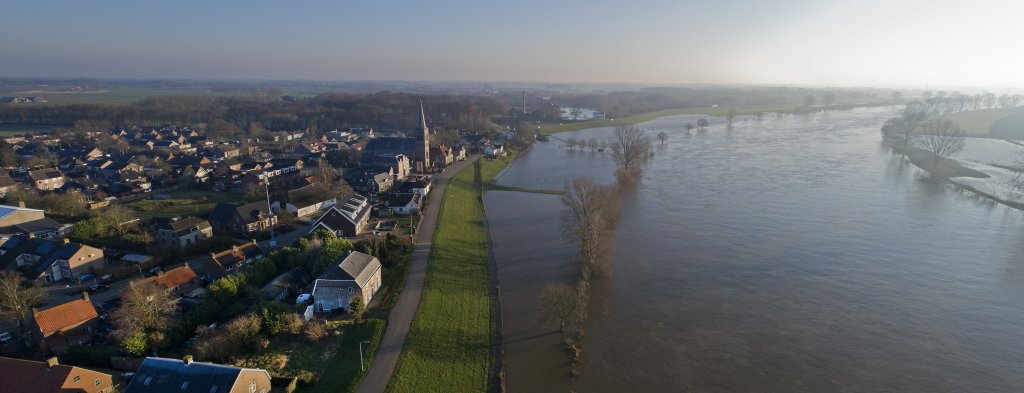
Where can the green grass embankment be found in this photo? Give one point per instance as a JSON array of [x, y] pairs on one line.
[[449, 346]]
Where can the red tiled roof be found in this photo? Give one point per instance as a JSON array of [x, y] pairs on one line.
[[69, 314], [174, 278]]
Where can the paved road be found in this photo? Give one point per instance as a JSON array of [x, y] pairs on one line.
[[400, 317]]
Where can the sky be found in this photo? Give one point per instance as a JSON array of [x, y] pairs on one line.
[[906, 43]]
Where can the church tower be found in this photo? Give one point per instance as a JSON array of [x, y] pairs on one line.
[[422, 134]]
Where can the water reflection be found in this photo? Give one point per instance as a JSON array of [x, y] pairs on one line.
[[790, 254]]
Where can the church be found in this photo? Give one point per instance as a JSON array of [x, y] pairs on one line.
[[385, 150]]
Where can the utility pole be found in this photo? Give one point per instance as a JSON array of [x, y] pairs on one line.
[[266, 186]]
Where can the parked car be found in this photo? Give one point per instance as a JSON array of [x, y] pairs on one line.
[[304, 298], [5, 338], [98, 288], [106, 308], [154, 271], [106, 278]]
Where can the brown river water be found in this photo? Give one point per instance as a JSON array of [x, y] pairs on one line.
[[790, 254]]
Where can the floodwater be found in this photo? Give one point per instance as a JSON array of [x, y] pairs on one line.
[[791, 254]]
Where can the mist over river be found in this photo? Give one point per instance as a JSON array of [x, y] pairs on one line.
[[791, 254]]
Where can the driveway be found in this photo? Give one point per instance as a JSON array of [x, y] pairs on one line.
[[400, 317]]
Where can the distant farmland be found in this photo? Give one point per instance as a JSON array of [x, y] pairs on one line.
[[131, 94], [1003, 123]]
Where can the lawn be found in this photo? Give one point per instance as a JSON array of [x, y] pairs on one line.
[[449, 347], [1003, 123], [181, 204], [333, 361], [341, 373]]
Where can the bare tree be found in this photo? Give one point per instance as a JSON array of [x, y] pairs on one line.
[[592, 143], [630, 147], [830, 98], [730, 115], [582, 143], [571, 142], [702, 124], [808, 101], [559, 304], [145, 307], [592, 212], [17, 300], [662, 136], [942, 138]]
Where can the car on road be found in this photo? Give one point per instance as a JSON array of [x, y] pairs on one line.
[[106, 307], [98, 288], [106, 278], [154, 271], [5, 338]]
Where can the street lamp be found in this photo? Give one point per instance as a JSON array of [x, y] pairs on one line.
[[140, 269], [266, 185], [361, 364]]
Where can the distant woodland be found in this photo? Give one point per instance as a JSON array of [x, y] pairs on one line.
[[237, 115], [383, 110]]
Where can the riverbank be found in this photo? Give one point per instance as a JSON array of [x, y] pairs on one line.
[[450, 347], [554, 127], [946, 167]]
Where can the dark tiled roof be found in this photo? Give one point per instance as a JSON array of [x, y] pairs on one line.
[[354, 266], [159, 375], [26, 376]]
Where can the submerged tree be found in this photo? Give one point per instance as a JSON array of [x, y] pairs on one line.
[[559, 305], [942, 138], [702, 124], [730, 115], [630, 147], [662, 136], [592, 213], [688, 127]]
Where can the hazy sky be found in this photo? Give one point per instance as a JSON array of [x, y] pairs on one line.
[[839, 42]]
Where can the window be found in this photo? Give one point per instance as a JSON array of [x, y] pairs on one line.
[[252, 387], [76, 378], [96, 383]]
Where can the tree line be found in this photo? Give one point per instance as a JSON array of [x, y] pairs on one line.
[[237, 115], [590, 218]]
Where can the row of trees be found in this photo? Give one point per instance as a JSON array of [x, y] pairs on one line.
[[590, 219], [915, 128]]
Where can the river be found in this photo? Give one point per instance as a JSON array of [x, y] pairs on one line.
[[790, 254]]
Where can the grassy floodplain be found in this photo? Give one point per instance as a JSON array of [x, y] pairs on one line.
[[556, 127], [449, 347], [1002, 123]]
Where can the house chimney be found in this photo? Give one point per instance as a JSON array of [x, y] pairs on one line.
[[187, 359], [21, 204], [85, 295], [31, 235], [160, 273], [52, 362], [186, 265]]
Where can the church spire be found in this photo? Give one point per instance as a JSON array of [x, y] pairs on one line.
[[423, 118]]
